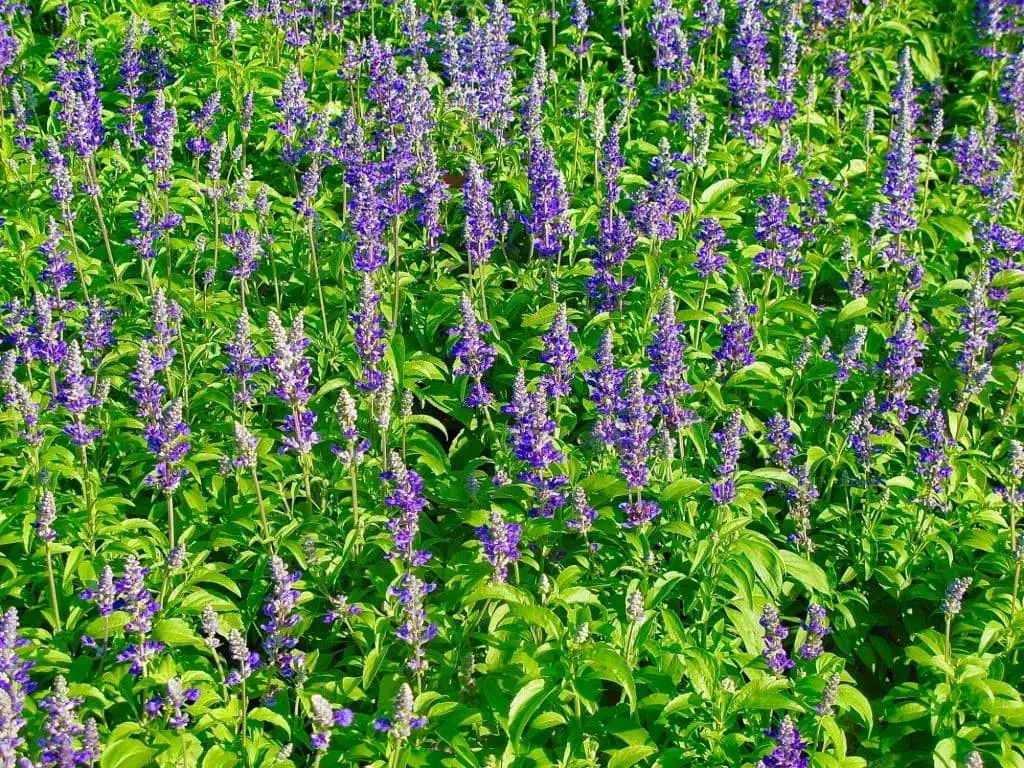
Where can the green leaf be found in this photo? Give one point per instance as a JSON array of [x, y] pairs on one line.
[[542, 317], [631, 755], [218, 757], [370, 666], [851, 698], [803, 571], [717, 190], [763, 693], [957, 226], [682, 488], [852, 309], [767, 475], [525, 704], [127, 753], [546, 720], [176, 632], [944, 755], [609, 665], [539, 616], [266, 715]]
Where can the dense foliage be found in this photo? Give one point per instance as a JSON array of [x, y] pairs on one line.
[[586, 383]]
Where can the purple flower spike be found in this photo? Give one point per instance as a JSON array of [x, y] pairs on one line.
[[605, 389], [710, 237], [406, 500], [500, 542], [633, 441], [816, 630], [789, 750], [560, 354], [774, 633], [473, 356]]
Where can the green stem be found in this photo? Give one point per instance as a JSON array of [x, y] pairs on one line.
[[170, 519], [90, 533], [53, 589], [263, 510]]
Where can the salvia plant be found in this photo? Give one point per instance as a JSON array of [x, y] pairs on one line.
[[511, 383]]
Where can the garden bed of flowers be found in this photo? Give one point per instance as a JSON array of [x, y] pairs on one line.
[[511, 383]]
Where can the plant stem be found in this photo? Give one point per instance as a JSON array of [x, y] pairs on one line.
[[170, 519], [53, 589], [103, 225], [319, 284], [90, 533], [354, 477], [263, 510]]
